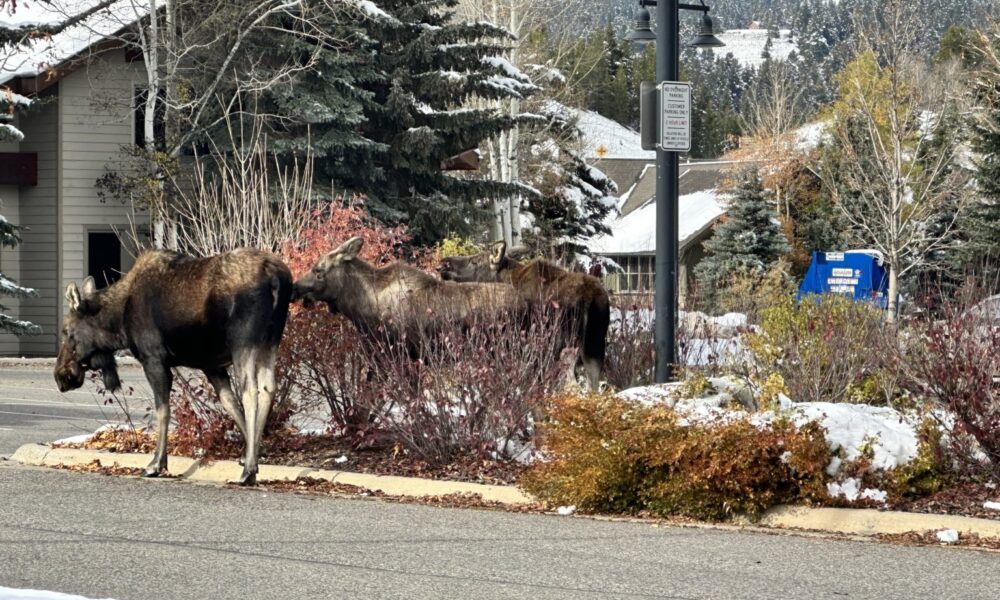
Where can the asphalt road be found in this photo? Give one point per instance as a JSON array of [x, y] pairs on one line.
[[33, 410], [129, 538]]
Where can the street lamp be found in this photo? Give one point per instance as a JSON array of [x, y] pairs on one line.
[[667, 40]]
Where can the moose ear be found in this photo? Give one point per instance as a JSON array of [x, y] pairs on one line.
[[350, 248], [73, 296], [497, 251], [89, 287]]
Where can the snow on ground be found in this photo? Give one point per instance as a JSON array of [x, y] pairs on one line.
[[747, 45], [47, 52], [811, 135], [850, 429], [636, 232], [7, 593]]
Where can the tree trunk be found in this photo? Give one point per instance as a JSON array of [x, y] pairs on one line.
[[893, 293]]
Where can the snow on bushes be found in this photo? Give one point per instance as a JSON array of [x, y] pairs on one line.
[[829, 452]]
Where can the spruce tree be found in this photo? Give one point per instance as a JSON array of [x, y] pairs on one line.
[[985, 213], [749, 241], [422, 69], [10, 233]]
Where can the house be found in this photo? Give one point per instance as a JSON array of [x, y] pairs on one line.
[[83, 85], [616, 150]]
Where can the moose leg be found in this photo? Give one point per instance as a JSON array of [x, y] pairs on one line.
[[265, 391], [160, 379], [247, 365], [593, 368], [224, 388]]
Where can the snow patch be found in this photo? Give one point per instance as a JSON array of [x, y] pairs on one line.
[[635, 233], [7, 593], [947, 536], [565, 511], [748, 46], [991, 505]]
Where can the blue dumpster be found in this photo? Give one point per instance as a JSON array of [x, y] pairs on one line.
[[859, 274]]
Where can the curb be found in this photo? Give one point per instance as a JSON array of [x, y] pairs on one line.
[[226, 471], [847, 521], [50, 362], [869, 522]]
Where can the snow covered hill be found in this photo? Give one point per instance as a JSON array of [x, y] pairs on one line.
[[748, 45]]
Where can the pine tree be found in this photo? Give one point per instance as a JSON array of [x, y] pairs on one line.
[[422, 66], [406, 88], [9, 233], [750, 240], [575, 198], [985, 217]]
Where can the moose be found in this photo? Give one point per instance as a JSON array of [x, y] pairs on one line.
[[580, 296], [172, 310], [397, 300]]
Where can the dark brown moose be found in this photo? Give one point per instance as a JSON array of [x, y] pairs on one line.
[[398, 301], [582, 297], [173, 310]]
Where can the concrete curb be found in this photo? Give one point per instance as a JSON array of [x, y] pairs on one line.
[[863, 521], [225, 471], [849, 521]]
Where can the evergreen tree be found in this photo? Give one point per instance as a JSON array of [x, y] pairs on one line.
[[984, 248], [407, 87], [749, 241], [575, 198], [10, 237]]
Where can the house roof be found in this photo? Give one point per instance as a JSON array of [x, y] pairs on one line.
[[45, 53], [635, 233]]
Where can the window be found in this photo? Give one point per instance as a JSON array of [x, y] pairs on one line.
[[104, 257], [637, 275], [139, 126]]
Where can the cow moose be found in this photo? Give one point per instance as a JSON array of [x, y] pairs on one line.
[[173, 310], [582, 297], [397, 300]]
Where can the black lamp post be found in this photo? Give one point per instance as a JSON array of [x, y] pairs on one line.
[[667, 40]]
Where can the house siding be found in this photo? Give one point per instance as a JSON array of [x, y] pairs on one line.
[[96, 122], [10, 258], [37, 212]]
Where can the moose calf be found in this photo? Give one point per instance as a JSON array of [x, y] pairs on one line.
[[581, 297]]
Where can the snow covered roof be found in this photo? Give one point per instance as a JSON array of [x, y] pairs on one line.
[[747, 45], [43, 53], [606, 138], [635, 233]]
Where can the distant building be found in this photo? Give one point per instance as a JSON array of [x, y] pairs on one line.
[[617, 151], [84, 88]]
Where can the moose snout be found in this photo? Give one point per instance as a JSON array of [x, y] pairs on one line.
[[303, 290]]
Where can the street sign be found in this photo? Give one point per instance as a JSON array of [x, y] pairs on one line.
[[675, 116]]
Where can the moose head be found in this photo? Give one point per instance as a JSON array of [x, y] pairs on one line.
[[87, 340], [485, 266], [330, 277]]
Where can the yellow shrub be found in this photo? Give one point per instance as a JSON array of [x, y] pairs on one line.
[[822, 347], [456, 246], [611, 455]]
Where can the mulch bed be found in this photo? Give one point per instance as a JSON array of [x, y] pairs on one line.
[[321, 487], [963, 499], [329, 452], [324, 451]]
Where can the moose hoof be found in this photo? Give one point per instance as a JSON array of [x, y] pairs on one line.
[[248, 479], [151, 473]]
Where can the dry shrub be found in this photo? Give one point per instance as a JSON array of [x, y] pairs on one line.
[[610, 455], [953, 361], [465, 388], [460, 388], [629, 359], [751, 293], [827, 348]]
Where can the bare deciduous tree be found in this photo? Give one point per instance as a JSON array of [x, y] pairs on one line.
[[889, 187]]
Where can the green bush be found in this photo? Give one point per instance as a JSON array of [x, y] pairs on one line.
[[610, 455], [827, 348]]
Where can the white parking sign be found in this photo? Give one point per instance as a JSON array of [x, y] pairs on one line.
[[675, 116]]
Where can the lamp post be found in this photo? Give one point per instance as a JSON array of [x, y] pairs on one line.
[[667, 40]]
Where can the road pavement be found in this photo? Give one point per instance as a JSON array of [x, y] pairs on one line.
[[137, 539]]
